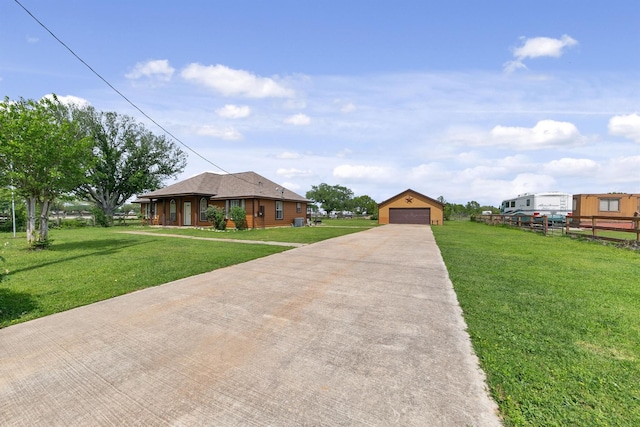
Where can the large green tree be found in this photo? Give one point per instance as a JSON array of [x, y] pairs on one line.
[[330, 197], [129, 159], [42, 155], [363, 205]]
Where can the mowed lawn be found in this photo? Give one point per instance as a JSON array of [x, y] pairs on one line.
[[86, 265], [328, 229], [554, 321]]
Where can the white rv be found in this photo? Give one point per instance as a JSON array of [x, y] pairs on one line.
[[553, 204]]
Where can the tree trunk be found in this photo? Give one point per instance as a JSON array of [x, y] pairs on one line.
[[107, 203], [31, 220], [44, 221], [108, 210]]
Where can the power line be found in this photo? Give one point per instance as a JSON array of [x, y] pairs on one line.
[[122, 95]]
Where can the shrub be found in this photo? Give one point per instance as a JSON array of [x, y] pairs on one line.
[[67, 223], [215, 215], [40, 244], [239, 216], [101, 219]]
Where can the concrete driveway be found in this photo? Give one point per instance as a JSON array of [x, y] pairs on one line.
[[363, 329]]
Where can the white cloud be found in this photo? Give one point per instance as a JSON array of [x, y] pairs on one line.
[[70, 100], [293, 173], [426, 171], [32, 40], [511, 66], [357, 172], [345, 152], [571, 167], [348, 108], [545, 134], [230, 111], [537, 47], [298, 120], [158, 69], [531, 183], [229, 133], [479, 172], [622, 170], [627, 126], [288, 155], [291, 186], [544, 46], [230, 82]]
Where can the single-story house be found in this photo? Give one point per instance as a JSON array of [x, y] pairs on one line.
[[411, 207], [184, 203], [620, 205]]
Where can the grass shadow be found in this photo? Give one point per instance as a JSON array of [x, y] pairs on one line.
[[98, 248], [14, 305]]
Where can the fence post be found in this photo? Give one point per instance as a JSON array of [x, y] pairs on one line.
[[637, 225], [545, 221], [594, 221]]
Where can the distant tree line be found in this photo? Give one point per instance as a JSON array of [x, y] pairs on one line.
[[457, 210]]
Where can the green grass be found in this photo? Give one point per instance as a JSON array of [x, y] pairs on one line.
[[554, 321], [356, 222], [620, 235], [86, 265], [327, 230]]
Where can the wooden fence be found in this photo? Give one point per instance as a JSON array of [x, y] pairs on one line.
[[590, 226], [541, 224], [627, 224]]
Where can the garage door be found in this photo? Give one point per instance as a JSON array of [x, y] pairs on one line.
[[410, 216]]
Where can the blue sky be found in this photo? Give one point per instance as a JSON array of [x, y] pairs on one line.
[[467, 100]]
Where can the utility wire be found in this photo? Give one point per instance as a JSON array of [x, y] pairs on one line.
[[123, 96]]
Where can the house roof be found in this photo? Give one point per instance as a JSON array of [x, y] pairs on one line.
[[408, 190], [610, 195], [226, 186]]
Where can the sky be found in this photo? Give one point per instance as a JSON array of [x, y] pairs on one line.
[[466, 100]]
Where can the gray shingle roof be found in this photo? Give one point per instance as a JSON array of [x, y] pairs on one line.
[[229, 186]]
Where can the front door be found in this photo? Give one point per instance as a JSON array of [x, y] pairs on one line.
[[187, 213]]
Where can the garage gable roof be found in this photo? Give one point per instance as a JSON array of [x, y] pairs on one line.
[[409, 192]]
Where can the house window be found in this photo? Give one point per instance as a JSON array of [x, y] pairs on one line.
[[528, 202], [279, 209], [609, 205], [229, 204], [513, 203], [203, 209], [172, 210], [298, 207]]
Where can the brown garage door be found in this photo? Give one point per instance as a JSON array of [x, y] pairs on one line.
[[410, 216]]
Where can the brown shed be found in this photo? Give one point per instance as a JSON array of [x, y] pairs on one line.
[[613, 204], [411, 207]]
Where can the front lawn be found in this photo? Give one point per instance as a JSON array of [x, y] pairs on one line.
[[554, 321], [328, 229], [86, 265]]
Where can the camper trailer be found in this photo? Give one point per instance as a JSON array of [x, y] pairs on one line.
[[555, 205]]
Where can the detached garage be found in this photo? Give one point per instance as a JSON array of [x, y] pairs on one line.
[[411, 207]]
